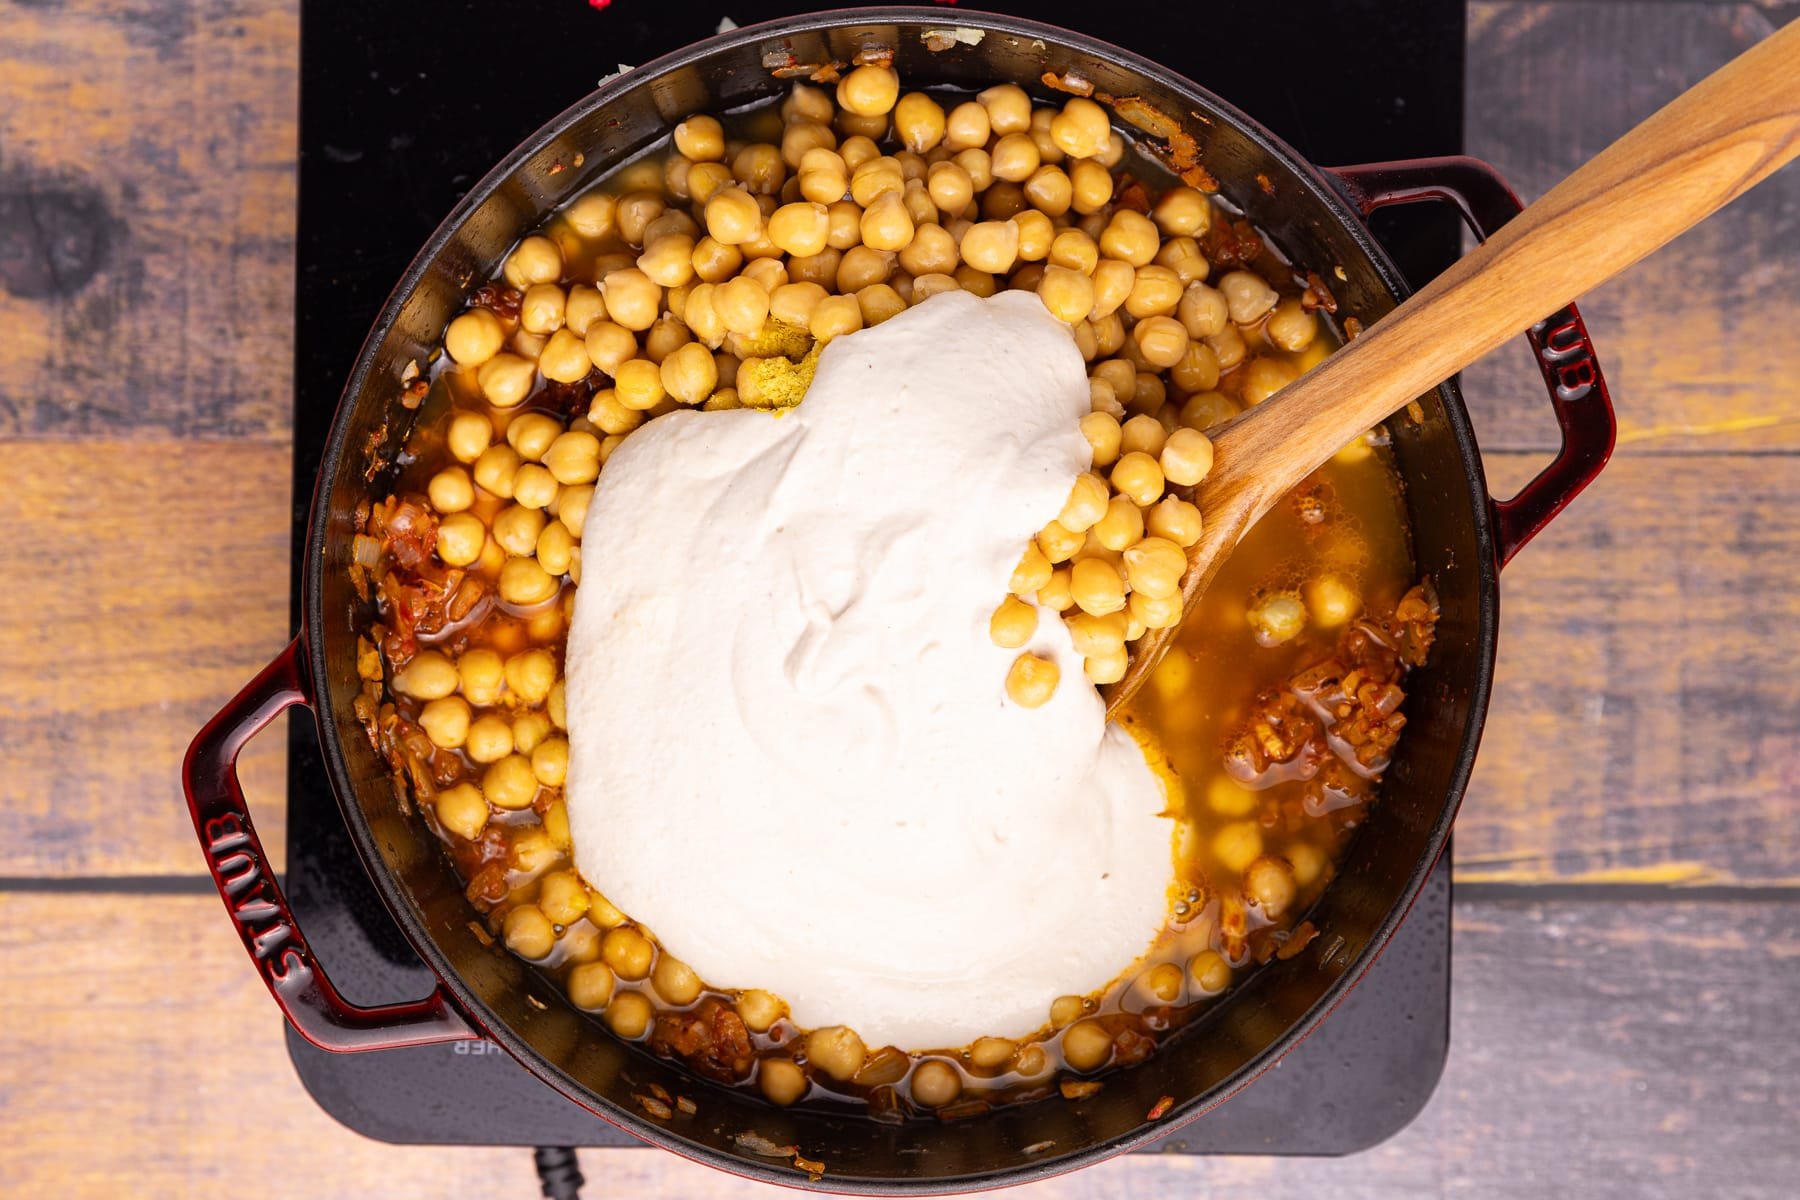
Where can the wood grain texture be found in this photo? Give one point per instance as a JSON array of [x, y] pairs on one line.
[[147, 154], [1643, 726], [1698, 340], [1634, 1051], [147, 584]]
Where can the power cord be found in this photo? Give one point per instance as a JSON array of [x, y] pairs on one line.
[[559, 1174]]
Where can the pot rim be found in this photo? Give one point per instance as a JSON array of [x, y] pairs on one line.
[[1322, 191]]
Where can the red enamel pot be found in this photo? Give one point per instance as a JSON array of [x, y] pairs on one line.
[[1462, 539]]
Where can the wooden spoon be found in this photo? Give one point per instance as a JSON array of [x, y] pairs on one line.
[[1703, 150]]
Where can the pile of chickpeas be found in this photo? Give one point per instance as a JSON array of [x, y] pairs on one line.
[[710, 278]]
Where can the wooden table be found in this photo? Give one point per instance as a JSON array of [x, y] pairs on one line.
[[1627, 934]]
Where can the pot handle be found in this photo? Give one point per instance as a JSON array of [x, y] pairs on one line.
[[1559, 342], [253, 895]]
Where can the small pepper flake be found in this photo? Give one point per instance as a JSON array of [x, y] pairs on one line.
[[814, 1168], [1263, 181], [1068, 82], [1159, 1108], [1352, 328], [1039, 1147], [654, 1107], [1298, 940], [756, 1143], [1079, 1089], [687, 1107]]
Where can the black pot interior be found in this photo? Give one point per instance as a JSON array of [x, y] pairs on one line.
[[1257, 1020]]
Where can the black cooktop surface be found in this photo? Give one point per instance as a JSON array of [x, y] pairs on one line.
[[405, 104]]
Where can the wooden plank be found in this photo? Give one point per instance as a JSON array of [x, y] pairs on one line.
[[1698, 340], [147, 217], [147, 582], [1623, 1051], [1643, 726]]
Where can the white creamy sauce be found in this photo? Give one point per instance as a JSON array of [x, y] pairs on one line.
[[792, 754]]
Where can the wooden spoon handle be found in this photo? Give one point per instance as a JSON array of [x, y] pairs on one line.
[[1701, 151]]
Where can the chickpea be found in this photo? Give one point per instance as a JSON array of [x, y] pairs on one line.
[[1058, 542], [1332, 601], [446, 721], [450, 490], [1054, 595], [1197, 370], [633, 302], [781, 1081], [835, 316], [700, 138], [1182, 212], [534, 486], [976, 283], [876, 178], [490, 739], [1066, 1010], [461, 810], [733, 217], [629, 1014], [460, 539], [1130, 237], [1206, 410], [803, 103], [991, 246], [474, 337], [1014, 158], [759, 1009], [878, 302], [1102, 398], [935, 1083], [638, 384], [675, 981], [634, 213], [562, 897], [1269, 882], [991, 1053], [506, 379], [481, 677], [1087, 1046], [1095, 634], [468, 435], [529, 729], [529, 675], [758, 168], [1161, 340], [1122, 525], [1291, 327], [1081, 129], [1138, 476], [1228, 346], [591, 215], [1039, 133], [689, 375], [1156, 612], [886, 225], [1142, 435], [524, 583], [837, 1051], [508, 783], [590, 986], [429, 676], [627, 951], [1203, 310], [1090, 187], [1032, 573], [868, 91], [1187, 457], [1103, 436], [1248, 296], [531, 434], [1096, 586], [1036, 232], [932, 251], [1075, 250], [534, 260], [742, 304], [1210, 972], [556, 547], [1008, 108], [565, 358], [1086, 503], [803, 138], [1113, 281], [1013, 623], [610, 345], [1031, 680], [1174, 519], [1155, 566], [668, 260], [1277, 617], [1263, 377], [541, 308], [919, 122], [528, 932], [1155, 291]]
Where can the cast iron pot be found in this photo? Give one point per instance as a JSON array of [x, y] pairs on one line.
[[1461, 539]]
